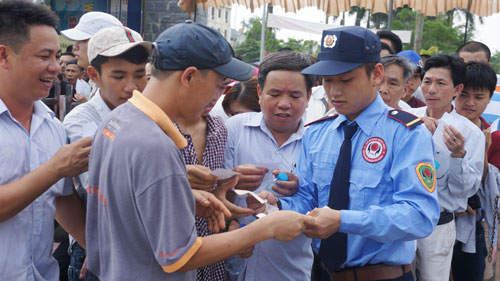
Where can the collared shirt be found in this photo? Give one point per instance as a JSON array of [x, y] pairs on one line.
[[389, 204], [92, 111], [26, 239], [251, 142], [212, 158], [458, 178]]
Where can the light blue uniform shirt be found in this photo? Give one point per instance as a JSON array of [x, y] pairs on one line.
[[26, 239], [388, 205], [250, 141]]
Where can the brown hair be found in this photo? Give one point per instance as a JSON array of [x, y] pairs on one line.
[[244, 93]]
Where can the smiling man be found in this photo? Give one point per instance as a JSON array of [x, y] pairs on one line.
[[34, 159], [273, 135]]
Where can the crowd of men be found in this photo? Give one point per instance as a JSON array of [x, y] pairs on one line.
[[395, 180]]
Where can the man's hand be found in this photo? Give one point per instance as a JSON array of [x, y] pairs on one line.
[[79, 98], [221, 192], [287, 225], [454, 141], [326, 222], [211, 209], [199, 177], [431, 123], [286, 188], [83, 270], [487, 136], [246, 253], [251, 177], [256, 206], [72, 159]]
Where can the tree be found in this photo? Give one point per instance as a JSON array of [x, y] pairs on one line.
[[249, 50], [495, 61]]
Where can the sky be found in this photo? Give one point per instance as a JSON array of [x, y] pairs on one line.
[[484, 32]]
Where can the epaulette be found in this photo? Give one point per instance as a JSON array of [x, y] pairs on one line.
[[409, 120], [322, 119]]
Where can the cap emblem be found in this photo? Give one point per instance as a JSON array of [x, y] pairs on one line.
[[330, 41]]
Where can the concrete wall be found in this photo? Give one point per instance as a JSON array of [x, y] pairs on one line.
[[161, 14]]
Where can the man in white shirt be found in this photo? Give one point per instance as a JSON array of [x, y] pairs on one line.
[[459, 160]]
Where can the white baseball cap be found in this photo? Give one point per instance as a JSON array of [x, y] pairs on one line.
[[90, 23], [114, 41]]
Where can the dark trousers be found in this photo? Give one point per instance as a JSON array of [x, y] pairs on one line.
[[467, 266], [77, 258]]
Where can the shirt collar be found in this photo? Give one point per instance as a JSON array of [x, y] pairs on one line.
[[39, 109], [258, 121], [154, 112], [99, 104], [367, 119]]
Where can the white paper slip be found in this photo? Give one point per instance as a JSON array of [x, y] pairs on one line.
[[223, 173], [247, 192], [89, 129], [270, 166]]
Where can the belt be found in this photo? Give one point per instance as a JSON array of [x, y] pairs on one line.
[[445, 217], [371, 272]]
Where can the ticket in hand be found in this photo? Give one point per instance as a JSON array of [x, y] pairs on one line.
[[223, 173], [247, 192], [270, 166]]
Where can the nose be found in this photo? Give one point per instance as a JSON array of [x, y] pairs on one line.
[[130, 86], [469, 101], [54, 65], [283, 103], [383, 88]]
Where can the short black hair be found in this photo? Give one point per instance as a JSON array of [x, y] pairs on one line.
[[480, 76], [16, 19], [397, 44], [136, 55], [72, 61], [385, 46], [473, 47], [451, 62], [285, 60], [68, 54]]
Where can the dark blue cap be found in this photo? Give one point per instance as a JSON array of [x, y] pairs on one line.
[[412, 57], [191, 44], [343, 49]]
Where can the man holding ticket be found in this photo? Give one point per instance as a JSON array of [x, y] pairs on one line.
[[140, 206], [260, 145], [458, 157], [366, 175]]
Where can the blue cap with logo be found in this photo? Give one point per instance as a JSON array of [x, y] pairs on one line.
[[191, 44], [412, 57], [345, 48]]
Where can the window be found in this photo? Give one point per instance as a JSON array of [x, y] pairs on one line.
[[227, 16], [213, 12]]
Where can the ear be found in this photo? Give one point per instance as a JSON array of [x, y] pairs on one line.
[[458, 90], [4, 55], [377, 75], [186, 78], [407, 90], [94, 75]]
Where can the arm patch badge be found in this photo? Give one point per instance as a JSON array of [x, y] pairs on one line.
[[426, 175]]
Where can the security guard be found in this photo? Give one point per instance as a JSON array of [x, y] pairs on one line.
[[366, 175]]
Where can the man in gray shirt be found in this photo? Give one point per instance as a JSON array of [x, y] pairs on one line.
[[140, 207]]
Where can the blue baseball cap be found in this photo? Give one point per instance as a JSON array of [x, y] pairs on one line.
[[191, 44], [343, 49], [412, 57]]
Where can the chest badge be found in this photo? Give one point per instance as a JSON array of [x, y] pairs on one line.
[[374, 150]]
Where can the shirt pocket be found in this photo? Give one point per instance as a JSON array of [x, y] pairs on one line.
[[367, 189], [323, 167]]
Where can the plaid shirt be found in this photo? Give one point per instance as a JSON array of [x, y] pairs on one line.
[[212, 158]]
